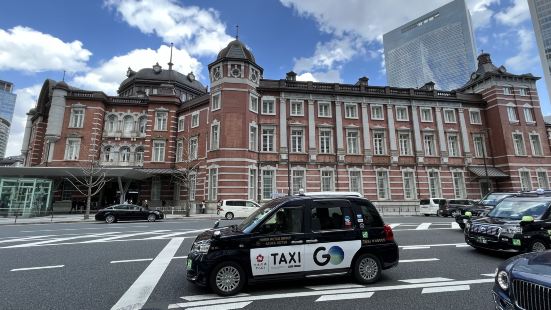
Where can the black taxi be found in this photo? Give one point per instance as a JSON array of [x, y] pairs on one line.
[[521, 223], [295, 237]]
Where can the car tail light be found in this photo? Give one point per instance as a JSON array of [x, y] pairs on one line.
[[389, 235]]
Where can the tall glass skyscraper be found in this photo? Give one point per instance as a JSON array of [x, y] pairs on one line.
[[7, 105], [438, 46], [541, 19]]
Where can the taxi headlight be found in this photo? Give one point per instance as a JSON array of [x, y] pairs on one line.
[[502, 280], [201, 247]]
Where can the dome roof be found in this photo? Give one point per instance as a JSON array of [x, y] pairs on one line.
[[236, 50], [164, 76]]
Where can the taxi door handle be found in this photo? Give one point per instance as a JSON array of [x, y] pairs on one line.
[[296, 242], [312, 241]]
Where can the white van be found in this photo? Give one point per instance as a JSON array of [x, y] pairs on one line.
[[230, 208], [430, 206]]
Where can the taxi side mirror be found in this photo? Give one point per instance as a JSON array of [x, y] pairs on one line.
[[468, 214], [527, 219]]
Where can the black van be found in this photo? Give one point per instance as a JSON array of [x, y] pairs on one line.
[[295, 237]]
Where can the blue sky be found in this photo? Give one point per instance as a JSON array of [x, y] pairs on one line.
[[95, 41]]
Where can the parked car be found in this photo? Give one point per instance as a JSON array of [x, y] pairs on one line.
[[128, 212], [295, 237], [524, 282], [431, 206], [482, 208], [521, 223], [230, 208], [457, 207]]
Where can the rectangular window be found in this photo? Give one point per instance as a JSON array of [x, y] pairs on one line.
[[430, 145], [449, 116], [327, 183], [330, 215], [193, 144], [72, 149], [213, 184], [383, 188], [355, 181], [352, 141], [351, 110], [536, 145], [379, 143], [507, 91], [156, 188], [524, 91], [518, 142], [268, 138], [459, 185], [216, 101], [161, 119], [479, 146], [475, 117], [426, 115], [181, 123], [512, 113], [529, 115], [377, 112], [298, 181], [158, 151], [253, 138], [543, 179], [404, 139], [268, 184], [268, 106], [252, 184], [453, 145], [434, 184], [215, 136], [195, 119], [77, 118], [409, 185], [179, 150], [326, 146], [525, 180], [324, 109], [253, 104], [192, 186], [297, 140], [297, 108], [402, 114]]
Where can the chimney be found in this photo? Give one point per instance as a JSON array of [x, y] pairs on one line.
[[362, 81], [291, 76]]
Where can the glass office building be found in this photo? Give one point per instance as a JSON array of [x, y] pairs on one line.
[[7, 105], [437, 47], [540, 10]]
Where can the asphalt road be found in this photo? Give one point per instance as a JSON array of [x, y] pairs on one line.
[[120, 266]]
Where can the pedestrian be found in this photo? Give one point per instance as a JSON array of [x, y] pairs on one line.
[[203, 207], [146, 204], [73, 206], [163, 203]]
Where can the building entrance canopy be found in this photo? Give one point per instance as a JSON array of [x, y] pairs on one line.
[[493, 172], [63, 172]]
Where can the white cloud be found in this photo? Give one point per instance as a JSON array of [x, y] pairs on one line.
[[26, 99], [198, 30], [515, 14], [526, 59], [321, 76], [108, 76], [329, 54], [23, 48]]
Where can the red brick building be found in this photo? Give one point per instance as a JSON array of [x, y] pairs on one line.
[[394, 145]]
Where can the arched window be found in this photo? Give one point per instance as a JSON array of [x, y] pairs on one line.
[[124, 154], [107, 153], [142, 124], [128, 125], [139, 154], [111, 123]]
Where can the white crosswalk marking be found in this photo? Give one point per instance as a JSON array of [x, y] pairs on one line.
[[168, 236], [423, 226], [123, 236], [394, 225], [26, 238], [345, 296], [426, 280], [451, 288], [24, 245], [455, 225], [237, 305]]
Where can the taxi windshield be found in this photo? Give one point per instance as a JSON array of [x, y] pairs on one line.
[[514, 209], [257, 216], [492, 199]]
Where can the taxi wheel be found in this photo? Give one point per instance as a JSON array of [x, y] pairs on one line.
[[110, 219], [151, 218], [367, 269], [538, 246], [227, 278], [229, 216]]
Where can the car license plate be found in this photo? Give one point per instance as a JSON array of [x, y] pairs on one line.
[[482, 240], [189, 262]]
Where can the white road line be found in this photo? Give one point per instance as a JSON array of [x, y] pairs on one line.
[[394, 225], [24, 245], [345, 296], [422, 247], [333, 287], [488, 274], [137, 295], [131, 260], [452, 288], [237, 305], [423, 226], [177, 257], [455, 225], [36, 268], [418, 260], [123, 236], [330, 292], [432, 245], [426, 280], [167, 236], [211, 296], [462, 246], [416, 229], [26, 238]]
